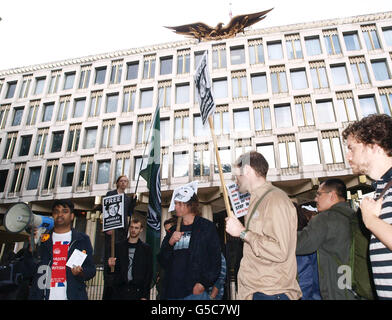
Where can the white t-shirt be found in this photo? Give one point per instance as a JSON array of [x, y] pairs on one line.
[[58, 283]]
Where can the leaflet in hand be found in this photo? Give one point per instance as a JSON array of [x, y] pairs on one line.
[[76, 259]]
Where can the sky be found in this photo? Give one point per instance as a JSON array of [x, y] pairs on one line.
[[43, 31]]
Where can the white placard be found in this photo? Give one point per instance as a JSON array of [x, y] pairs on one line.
[[239, 201], [113, 212]]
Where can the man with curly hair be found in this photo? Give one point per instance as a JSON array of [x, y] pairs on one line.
[[369, 143]]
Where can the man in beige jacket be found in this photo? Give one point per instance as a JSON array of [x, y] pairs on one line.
[[268, 267]]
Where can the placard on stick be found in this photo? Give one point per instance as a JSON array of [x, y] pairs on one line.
[[113, 212], [239, 201]]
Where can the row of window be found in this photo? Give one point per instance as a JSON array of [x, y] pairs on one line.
[[219, 60], [286, 154], [264, 116], [239, 82]]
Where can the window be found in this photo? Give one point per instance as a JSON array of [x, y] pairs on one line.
[[259, 83], [68, 174], [198, 129], [149, 67], [18, 114], [219, 56], [164, 94], [86, 165], [201, 160], [180, 164], [107, 133], [69, 80], [221, 120], [278, 79], [95, 104], [298, 79], [318, 74], [225, 157], [166, 65], [165, 130], [325, 111], [116, 71], [368, 105], [100, 75], [345, 106], [181, 125], [39, 85], [262, 116], [387, 32], [239, 84], [84, 80], [313, 46], [237, 55], [146, 98], [358, 67], [370, 35], [111, 102], [54, 81], [3, 179], [24, 89], [103, 171], [18, 177], [267, 150], [332, 41], [10, 145], [129, 99], [62, 113], [293, 46], [79, 107], [183, 61], [310, 152], [25, 145], [48, 112], [331, 147], [380, 70], [122, 165], [256, 51], [57, 141], [339, 75], [51, 173], [35, 172], [352, 41], [275, 51], [90, 137], [40, 145], [4, 110], [143, 128], [386, 100], [140, 164], [182, 93], [32, 116], [287, 151], [73, 137], [125, 133], [241, 120], [283, 117], [219, 88], [198, 56], [164, 164], [304, 111], [11, 86], [132, 70]]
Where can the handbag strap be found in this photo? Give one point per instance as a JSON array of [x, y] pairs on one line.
[[389, 184], [255, 207]]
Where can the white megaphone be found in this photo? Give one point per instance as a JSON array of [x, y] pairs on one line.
[[20, 216]]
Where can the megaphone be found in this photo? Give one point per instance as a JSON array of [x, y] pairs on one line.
[[20, 216]]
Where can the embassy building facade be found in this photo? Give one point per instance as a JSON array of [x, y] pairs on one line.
[[68, 129]]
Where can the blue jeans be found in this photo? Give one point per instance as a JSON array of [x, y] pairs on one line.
[[202, 296], [262, 296]]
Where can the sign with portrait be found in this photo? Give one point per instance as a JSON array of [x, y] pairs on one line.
[[113, 212]]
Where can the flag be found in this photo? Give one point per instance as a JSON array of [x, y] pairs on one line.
[[204, 92], [152, 175]]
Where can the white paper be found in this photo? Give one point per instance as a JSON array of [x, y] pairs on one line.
[[76, 259], [239, 201]]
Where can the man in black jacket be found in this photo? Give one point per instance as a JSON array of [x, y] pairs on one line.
[[133, 266], [52, 278]]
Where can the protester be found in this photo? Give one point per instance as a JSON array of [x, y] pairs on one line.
[[268, 268], [369, 152], [217, 290], [191, 257], [133, 266], [51, 278]]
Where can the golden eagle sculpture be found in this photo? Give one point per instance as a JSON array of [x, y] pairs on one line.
[[202, 31]]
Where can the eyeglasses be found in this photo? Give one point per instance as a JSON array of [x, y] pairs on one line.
[[319, 193]]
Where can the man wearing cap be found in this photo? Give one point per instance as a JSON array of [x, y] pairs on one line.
[[190, 257]]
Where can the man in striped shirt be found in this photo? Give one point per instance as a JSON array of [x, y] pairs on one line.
[[369, 143]]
